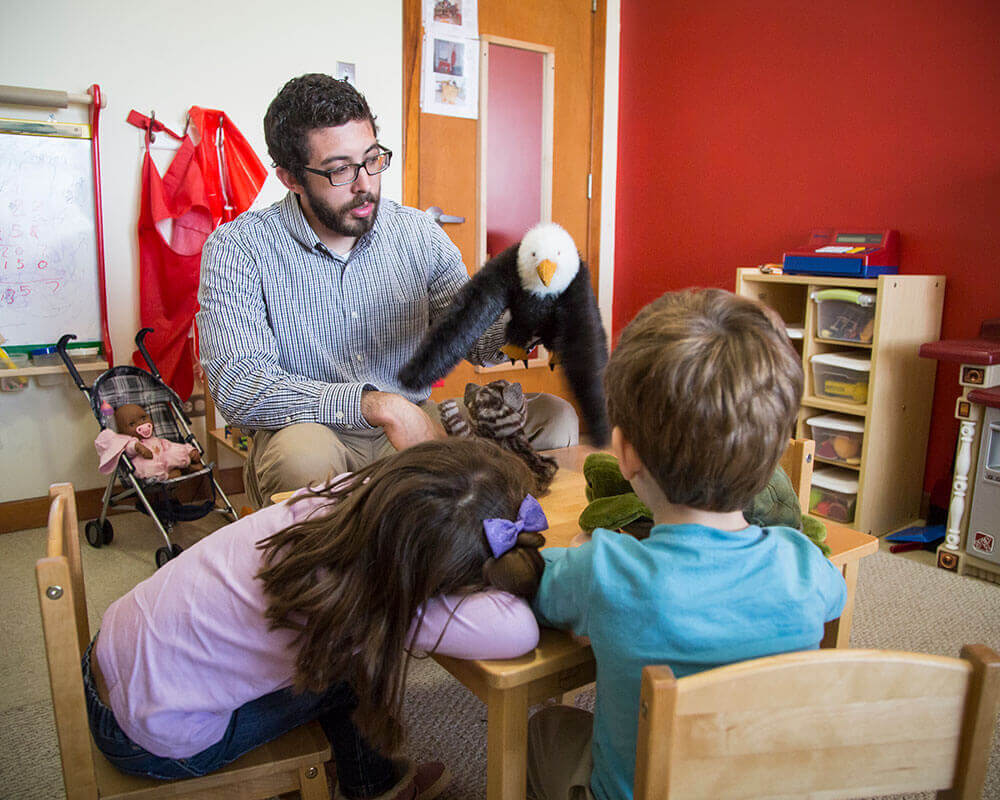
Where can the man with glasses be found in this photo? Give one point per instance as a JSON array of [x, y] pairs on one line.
[[309, 308]]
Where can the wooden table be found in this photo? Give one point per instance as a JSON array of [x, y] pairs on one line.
[[559, 664]]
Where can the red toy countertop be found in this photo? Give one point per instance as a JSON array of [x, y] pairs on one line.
[[966, 351], [986, 397], [982, 351]]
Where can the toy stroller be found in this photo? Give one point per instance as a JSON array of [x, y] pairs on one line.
[[157, 498]]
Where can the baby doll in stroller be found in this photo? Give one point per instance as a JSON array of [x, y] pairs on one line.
[[154, 458]]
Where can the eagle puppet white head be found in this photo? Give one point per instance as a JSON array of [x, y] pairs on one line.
[[547, 259]]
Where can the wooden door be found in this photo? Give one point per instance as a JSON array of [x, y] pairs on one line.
[[441, 151]]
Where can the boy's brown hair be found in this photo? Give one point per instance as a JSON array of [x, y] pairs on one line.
[[705, 386]]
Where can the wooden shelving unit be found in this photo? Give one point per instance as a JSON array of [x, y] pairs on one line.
[[897, 413]]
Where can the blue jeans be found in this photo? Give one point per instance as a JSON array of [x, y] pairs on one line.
[[361, 770]]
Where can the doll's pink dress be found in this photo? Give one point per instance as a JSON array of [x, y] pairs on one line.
[[167, 455]]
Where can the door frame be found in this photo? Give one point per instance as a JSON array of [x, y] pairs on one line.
[[482, 128]]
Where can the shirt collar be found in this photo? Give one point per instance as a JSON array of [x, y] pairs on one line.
[[300, 229], [295, 221]]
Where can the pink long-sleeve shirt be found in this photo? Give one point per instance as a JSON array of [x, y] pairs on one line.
[[191, 644]]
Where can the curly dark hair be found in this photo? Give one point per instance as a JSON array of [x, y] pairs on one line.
[[304, 104]]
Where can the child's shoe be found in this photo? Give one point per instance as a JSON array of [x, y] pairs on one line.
[[419, 782]]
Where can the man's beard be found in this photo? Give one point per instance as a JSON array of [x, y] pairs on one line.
[[339, 220]]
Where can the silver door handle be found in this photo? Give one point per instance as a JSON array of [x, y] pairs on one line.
[[437, 214]]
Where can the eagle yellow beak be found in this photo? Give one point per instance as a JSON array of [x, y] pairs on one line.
[[546, 269]]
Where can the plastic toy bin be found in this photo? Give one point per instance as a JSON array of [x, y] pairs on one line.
[[14, 383], [841, 376], [48, 357], [834, 494], [845, 315], [838, 437]]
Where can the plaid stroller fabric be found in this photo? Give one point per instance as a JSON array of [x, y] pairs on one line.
[[121, 385]]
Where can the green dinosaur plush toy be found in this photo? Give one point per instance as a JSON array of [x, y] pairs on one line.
[[614, 506]]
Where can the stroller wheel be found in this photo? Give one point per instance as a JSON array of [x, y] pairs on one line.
[[107, 533], [94, 534], [164, 554]]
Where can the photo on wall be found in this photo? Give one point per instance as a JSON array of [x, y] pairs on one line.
[[451, 76], [452, 17]]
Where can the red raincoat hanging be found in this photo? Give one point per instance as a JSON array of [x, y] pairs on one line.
[[213, 177]]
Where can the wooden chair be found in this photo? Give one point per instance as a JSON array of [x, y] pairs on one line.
[[293, 762], [830, 723], [797, 462]]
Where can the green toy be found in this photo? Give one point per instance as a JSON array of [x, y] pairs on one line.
[[614, 506]]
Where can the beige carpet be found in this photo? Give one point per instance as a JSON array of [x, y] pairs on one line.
[[901, 604]]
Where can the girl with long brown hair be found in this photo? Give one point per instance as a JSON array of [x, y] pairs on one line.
[[309, 609]]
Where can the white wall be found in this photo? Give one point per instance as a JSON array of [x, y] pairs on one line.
[[168, 57]]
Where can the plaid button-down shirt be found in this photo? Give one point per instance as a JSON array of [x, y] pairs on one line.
[[293, 332]]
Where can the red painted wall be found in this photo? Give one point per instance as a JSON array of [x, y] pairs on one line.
[[745, 124]]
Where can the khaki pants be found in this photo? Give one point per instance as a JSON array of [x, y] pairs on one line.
[[309, 452], [559, 760]]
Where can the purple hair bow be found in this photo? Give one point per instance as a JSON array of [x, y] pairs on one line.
[[502, 533]]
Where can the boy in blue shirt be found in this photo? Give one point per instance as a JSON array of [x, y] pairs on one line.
[[702, 391]]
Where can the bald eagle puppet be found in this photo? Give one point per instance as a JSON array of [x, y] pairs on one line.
[[546, 287]]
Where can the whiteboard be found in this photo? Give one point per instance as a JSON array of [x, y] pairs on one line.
[[48, 240]]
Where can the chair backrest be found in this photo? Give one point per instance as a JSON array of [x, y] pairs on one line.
[[835, 723], [797, 462], [63, 605]]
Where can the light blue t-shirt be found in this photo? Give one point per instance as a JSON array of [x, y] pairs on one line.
[[690, 597]]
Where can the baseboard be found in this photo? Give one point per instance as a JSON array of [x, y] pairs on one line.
[[33, 512]]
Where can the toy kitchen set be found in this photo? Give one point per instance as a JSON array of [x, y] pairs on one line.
[[972, 532]]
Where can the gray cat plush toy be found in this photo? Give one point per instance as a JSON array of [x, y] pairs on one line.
[[496, 411]]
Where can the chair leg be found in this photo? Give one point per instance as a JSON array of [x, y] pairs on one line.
[[312, 783]]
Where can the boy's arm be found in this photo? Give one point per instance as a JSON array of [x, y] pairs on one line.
[[486, 624], [563, 596]]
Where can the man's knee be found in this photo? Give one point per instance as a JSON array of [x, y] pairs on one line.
[[299, 455], [550, 422]]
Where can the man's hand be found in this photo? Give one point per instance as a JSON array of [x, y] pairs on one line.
[[405, 423]]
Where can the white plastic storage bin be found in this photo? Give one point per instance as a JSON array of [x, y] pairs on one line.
[[838, 437], [834, 494], [15, 383], [845, 315], [84, 355], [841, 376], [48, 357]]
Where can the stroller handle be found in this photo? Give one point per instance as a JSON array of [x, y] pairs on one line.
[[140, 343], [61, 348]]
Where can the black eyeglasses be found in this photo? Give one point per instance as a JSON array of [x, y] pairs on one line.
[[348, 173]]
